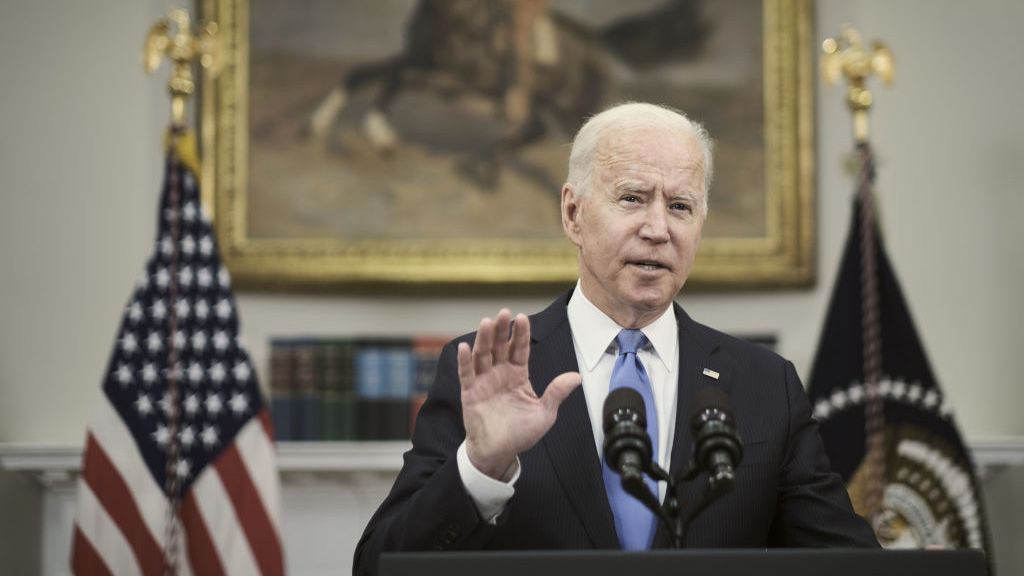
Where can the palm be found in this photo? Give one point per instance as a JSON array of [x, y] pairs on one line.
[[502, 414]]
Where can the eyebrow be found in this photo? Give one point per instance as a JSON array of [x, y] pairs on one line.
[[631, 185]]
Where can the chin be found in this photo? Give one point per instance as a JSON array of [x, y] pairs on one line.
[[650, 300]]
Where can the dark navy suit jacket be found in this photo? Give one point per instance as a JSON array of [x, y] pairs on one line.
[[785, 493]]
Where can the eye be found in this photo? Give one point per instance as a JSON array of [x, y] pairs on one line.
[[629, 198], [681, 207]]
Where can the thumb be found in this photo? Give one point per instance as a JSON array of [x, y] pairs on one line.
[[559, 389]]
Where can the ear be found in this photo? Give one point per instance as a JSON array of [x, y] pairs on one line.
[[571, 204]]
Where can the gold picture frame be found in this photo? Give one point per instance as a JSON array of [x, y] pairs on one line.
[[780, 254]]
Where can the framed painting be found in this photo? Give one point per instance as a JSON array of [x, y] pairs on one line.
[[415, 143]]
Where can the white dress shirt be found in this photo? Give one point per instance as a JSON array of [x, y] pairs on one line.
[[593, 338]]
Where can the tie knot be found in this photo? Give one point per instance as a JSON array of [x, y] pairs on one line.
[[630, 341]]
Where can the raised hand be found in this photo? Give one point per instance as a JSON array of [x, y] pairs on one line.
[[502, 414]]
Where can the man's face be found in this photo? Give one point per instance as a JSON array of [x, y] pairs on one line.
[[638, 227]]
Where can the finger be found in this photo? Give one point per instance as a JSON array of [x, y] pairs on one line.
[[482, 346], [501, 336], [559, 390], [467, 376], [520, 346]]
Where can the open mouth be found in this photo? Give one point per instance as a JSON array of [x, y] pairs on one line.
[[649, 265]]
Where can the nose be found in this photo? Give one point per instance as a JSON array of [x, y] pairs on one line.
[[655, 224]]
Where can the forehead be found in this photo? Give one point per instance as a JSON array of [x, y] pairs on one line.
[[670, 154]]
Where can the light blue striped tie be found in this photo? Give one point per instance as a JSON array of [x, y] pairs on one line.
[[634, 523]]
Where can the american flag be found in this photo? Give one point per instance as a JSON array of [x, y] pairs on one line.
[[179, 473]]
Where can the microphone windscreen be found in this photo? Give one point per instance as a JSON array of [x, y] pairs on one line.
[[624, 398], [710, 398]]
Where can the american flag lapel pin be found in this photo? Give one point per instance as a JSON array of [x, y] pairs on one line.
[[711, 373]]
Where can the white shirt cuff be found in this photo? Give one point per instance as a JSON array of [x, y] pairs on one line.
[[489, 495]]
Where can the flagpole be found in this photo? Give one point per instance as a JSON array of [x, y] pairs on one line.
[[846, 56], [172, 37]]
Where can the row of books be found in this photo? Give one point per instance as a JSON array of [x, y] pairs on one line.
[[360, 388]]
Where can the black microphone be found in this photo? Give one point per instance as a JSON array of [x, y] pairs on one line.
[[627, 446], [717, 448]]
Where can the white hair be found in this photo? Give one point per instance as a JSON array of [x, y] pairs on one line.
[[632, 115]]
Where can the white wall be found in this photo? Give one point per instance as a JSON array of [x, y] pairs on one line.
[[80, 167]]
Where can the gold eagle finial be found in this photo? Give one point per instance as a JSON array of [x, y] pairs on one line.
[[846, 56], [172, 37]]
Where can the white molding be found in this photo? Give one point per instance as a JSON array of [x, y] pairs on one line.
[[54, 463]]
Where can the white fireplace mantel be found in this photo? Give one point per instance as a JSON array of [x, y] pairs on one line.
[[54, 464]]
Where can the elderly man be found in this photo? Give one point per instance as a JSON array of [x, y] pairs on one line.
[[507, 449]]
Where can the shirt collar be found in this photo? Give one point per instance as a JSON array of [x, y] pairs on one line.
[[594, 332]]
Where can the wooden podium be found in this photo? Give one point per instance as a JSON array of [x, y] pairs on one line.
[[738, 562]]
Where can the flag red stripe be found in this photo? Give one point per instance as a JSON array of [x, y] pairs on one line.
[[85, 561], [201, 553], [118, 500], [252, 515]]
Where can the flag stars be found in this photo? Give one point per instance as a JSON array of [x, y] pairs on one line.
[[149, 373], [201, 310], [163, 278], [161, 435], [182, 309], [129, 344], [885, 388], [154, 342], [209, 436], [199, 341], [931, 399], [187, 437], [144, 405], [838, 399], [214, 404], [224, 278], [166, 405], [204, 278], [182, 468], [239, 403], [166, 246], [241, 372], [195, 372], [185, 276], [123, 374], [206, 245], [224, 309], [217, 373], [192, 404], [899, 389], [175, 372], [188, 245], [189, 211], [179, 339], [856, 393], [914, 392], [158, 311], [135, 312], [221, 341]]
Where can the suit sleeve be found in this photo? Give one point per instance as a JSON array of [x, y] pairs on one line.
[[428, 507], [814, 508]]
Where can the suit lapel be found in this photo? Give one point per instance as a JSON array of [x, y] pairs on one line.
[[570, 442], [695, 349]]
